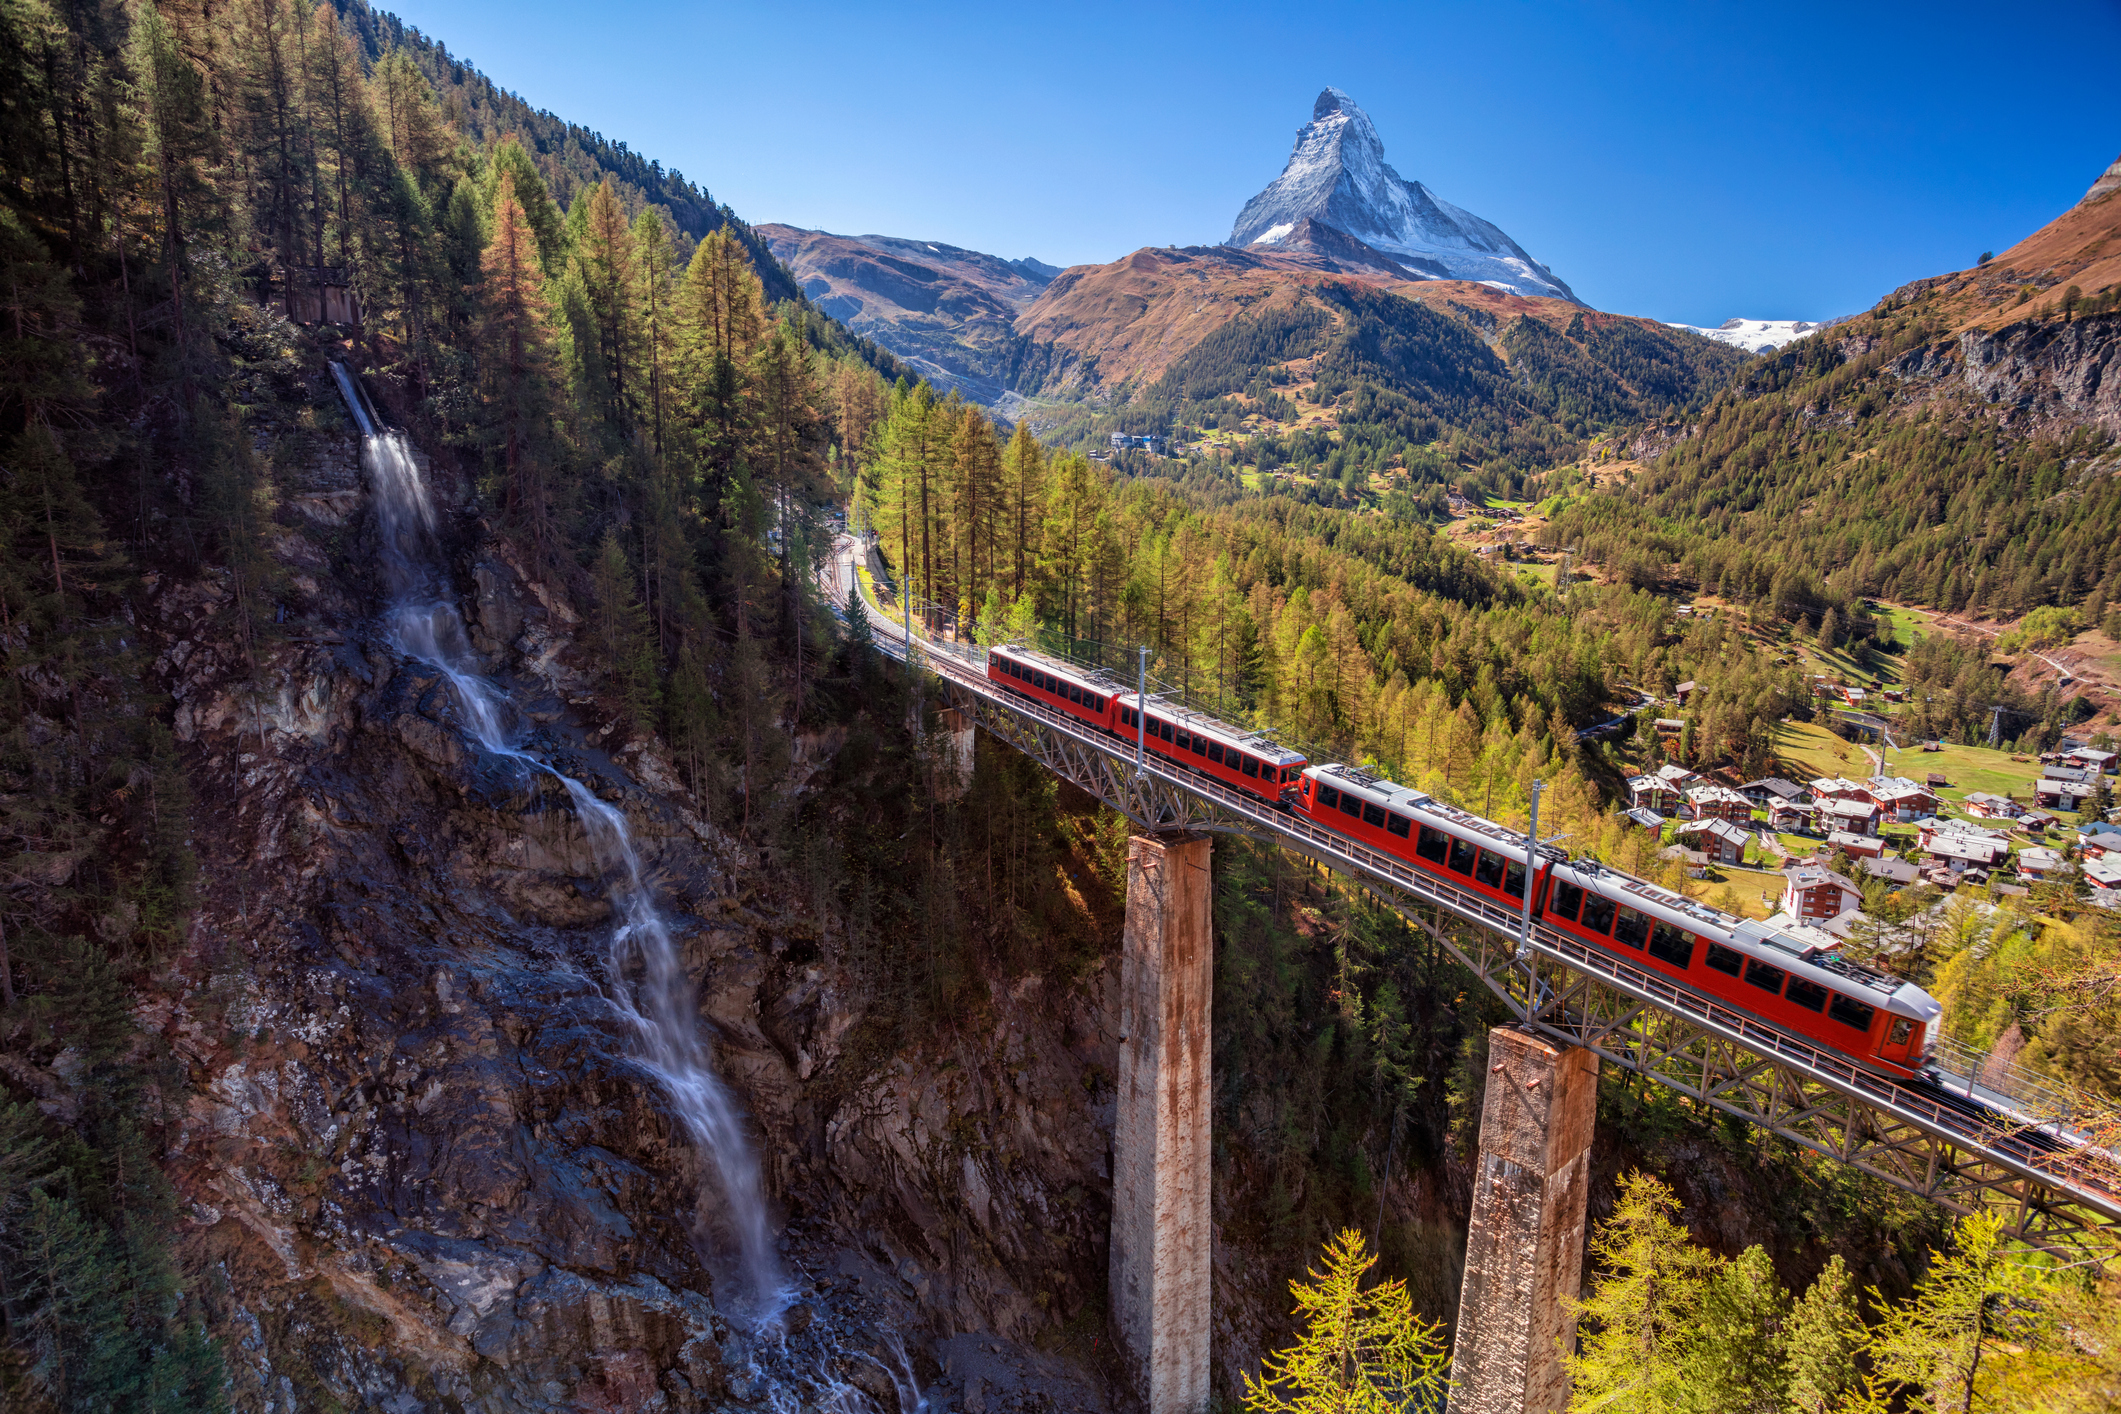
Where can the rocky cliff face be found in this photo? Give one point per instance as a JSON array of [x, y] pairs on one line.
[[417, 1153]]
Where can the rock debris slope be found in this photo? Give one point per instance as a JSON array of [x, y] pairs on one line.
[[1337, 178]]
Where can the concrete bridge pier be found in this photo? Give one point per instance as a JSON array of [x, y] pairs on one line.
[[1159, 1274], [1524, 1249]]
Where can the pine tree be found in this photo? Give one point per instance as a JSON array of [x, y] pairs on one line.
[[653, 317], [1361, 1351], [604, 262], [718, 326], [1737, 1363]]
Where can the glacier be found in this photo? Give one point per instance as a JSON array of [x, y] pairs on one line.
[[1754, 335], [1337, 177]]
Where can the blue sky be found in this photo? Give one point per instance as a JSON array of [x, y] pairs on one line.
[[1684, 161]]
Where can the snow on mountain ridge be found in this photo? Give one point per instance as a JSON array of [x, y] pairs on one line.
[[1337, 176], [1754, 335]]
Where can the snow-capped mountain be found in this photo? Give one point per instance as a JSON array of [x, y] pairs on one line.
[[1754, 335], [1337, 177]]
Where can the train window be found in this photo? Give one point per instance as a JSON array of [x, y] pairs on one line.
[[1850, 1012], [1513, 879], [1766, 978], [1632, 928], [1351, 805], [1185, 740], [1598, 913], [1075, 694], [1201, 745], [1397, 824], [1489, 870], [1462, 853], [1163, 729], [1564, 899], [1251, 765], [1672, 945], [1215, 753], [1432, 844], [1809, 995], [1902, 1029], [1373, 815], [1728, 961], [1097, 704], [1328, 797]]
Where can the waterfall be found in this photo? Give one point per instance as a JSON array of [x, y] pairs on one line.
[[648, 985]]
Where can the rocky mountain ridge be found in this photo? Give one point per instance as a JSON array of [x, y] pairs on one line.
[[1337, 178]]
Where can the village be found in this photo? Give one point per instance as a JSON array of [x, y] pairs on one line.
[[1820, 848]]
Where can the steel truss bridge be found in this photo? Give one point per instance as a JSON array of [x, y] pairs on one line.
[[2042, 1156]]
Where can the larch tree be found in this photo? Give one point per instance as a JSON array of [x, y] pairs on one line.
[[1023, 476], [718, 324], [1362, 1349], [1823, 1334], [1640, 1322], [604, 260], [516, 365]]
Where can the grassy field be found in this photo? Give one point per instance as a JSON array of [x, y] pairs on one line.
[[1810, 750]]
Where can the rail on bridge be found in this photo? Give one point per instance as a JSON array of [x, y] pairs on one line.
[[2044, 1152], [1989, 1136]]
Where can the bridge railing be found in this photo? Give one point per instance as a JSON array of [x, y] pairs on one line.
[[2058, 1137]]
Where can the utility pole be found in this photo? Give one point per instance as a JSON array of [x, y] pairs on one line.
[[1141, 715]]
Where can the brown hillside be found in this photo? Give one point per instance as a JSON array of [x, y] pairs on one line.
[[1138, 315], [2081, 247]]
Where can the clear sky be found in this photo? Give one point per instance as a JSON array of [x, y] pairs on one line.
[[1687, 161]]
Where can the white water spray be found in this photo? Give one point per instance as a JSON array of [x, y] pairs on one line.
[[648, 985]]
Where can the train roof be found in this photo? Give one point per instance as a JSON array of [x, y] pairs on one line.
[[1762, 940], [1257, 743], [1368, 786], [1098, 678]]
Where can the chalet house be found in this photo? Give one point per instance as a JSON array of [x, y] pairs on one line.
[[1668, 729], [1769, 789], [1653, 793], [1854, 696], [1900, 797], [1643, 816], [2103, 873], [2085, 758], [1897, 872], [1697, 863], [1929, 831], [1959, 853], [1812, 893], [1991, 807], [1858, 817], [1683, 692], [1792, 816], [1839, 788], [2060, 794], [2099, 839], [1720, 840], [1679, 775], [1708, 802], [1861, 846], [2038, 863]]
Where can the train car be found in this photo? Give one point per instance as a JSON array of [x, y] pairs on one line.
[[1875, 1020], [1081, 693], [1439, 839], [1809, 991], [1246, 760]]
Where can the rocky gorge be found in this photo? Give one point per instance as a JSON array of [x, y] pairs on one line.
[[415, 1147]]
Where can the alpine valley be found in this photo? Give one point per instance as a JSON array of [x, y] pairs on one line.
[[484, 929]]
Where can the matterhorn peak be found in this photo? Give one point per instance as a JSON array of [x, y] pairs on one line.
[[1337, 177]]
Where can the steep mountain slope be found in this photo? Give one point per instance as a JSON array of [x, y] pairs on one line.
[[567, 155], [947, 310], [1952, 447], [1337, 177]]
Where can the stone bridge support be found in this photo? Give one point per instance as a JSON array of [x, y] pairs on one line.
[[1159, 1275], [1524, 1249]]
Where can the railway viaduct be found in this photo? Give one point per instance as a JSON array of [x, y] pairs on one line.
[[1576, 1009]]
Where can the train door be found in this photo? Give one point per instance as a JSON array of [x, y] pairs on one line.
[[1901, 1042]]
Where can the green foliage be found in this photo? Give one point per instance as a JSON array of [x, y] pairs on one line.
[[1362, 1351]]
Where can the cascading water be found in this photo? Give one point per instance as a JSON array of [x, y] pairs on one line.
[[648, 985]]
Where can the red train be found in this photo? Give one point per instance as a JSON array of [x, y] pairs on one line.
[[1777, 976], [1807, 990], [1246, 760]]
